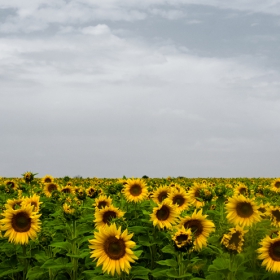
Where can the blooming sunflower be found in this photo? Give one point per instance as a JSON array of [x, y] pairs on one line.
[[200, 228], [274, 213], [160, 194], [49, 188], [91, 192], [234, 239], [135, 190], [242, 211], [68, 190], [11, 184], [21, 224], [179, 198], [270, 253], [104, 215], [14, 203], [112, 249], [194, 196], [275, 185], [241, 188], [68, 209], [33, 201], [182, 238], [102, 201], [47, 179], [164, 215]]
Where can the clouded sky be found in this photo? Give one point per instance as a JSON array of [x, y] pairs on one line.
[[152, 87]]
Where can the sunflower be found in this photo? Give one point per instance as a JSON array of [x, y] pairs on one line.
[[241, 188], [274, 213], [160, 194], [263, 208], [49, 188], [234, 239], [275, 185], [47, 179], [179, 198], [68, 209], [164, 215], [11, 185], [242, 211], [182, 238], [68, 190], [270, 253], [200, 228], [106, 214], [194, 195], [33, 201], [102, 201], [135, 190], [91, 192], [21, 224], [112, 249], [14, 203]]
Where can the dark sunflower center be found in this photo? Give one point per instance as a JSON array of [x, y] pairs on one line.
[[101, 204], [274, 251], [277, 185], [114, 248], [244, 209], [195, 226], [135, 190], [235, 238], [48, 180], [276, 214], [108, 215], [162, 196], [178, 199], [52, 187], [21, 222], [163, 213], [182, 238], [66, 190], [242, 190], [262, 209], [197, 194], [10, 184]]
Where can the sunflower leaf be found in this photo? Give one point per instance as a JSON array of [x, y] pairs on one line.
[[168, 262]]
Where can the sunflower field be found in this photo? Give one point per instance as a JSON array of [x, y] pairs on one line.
[[139, 228]]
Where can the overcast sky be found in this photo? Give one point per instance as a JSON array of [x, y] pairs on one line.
[[152, 87]]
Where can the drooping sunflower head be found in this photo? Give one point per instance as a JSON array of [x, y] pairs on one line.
[[21, 224], [105, 215], [165, 215], [270, 253], [10, 185], [34, 201], [49, 188], [28, 176], [274, 214], [234, 239], [91, 192], [200, 228], [112, 249], [242, 211], [160, 194], [135, 190], [47, 179], [102, 201], [182, 238]]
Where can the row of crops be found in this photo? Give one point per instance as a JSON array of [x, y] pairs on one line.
[[139, 228]]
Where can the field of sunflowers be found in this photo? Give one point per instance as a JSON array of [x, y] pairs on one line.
[[139, 228]]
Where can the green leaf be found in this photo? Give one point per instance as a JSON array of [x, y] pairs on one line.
[[139, 270], [138, 253], [174, 274], [168, 249], [35, 273], [159, 272], [168, 262], [64, 245], [57, 264]]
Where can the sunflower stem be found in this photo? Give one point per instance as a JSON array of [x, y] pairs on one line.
[[180, 263], [74, 251], [25, 262]]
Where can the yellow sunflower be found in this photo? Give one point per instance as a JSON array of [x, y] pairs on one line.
[[47, 179], [11, 184], [21, 224], [68, 190], [135, 190], [106, 214], [182, 238], [275, 185], [234, 239], [270, 253], [49, 188], [91, 192], [112, 248], [200, 228], [102, 201], [68, 209], [33, 201], [14, 203], [263, 208], [194, 195], [274, 214], [241, 188], [165, 215], [179, 198], [242, 211], [160, 194]]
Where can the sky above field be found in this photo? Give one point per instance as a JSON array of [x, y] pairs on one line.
[[152, 87]]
